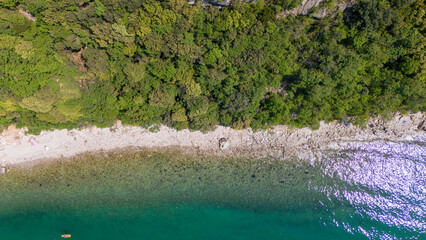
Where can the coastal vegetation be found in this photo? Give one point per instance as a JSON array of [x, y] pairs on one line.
[[69, 63]]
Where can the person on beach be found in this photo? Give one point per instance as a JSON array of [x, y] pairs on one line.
[[31, 141]]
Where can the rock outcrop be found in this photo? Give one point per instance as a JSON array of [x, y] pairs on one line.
[[223, 144], [321, 8]]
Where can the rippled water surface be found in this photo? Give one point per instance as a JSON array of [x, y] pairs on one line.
[[383, 185], [363, 191]]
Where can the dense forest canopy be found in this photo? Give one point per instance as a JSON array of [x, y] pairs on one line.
[[148, 62]]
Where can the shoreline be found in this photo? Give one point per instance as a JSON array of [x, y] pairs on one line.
[[277, 142]]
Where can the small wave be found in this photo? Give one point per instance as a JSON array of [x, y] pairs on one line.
[[381, 183]]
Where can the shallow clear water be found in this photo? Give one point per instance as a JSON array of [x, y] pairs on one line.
[[366, 191]]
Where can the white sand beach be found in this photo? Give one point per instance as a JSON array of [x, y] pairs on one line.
[[281, 141]]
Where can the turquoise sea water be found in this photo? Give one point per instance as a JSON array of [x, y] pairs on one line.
[[366, 191], [168, 222]]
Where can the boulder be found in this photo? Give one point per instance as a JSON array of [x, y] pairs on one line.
[[223, 143]]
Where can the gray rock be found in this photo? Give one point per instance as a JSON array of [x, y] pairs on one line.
[[307, 5], [223, 144]]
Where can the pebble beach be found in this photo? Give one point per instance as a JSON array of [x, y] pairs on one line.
[[17, 147]]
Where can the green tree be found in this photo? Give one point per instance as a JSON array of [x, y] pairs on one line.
[[100, 8], [212, 56], [100, 104], [42, 100], [96, 61], [162, 98], [9, 3]]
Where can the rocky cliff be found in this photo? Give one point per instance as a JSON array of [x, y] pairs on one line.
[[318, 8]]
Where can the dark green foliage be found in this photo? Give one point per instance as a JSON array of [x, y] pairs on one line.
[[100, 104], [9, 3], [287, 4], [371, 15], [152, 62], [96, 60]]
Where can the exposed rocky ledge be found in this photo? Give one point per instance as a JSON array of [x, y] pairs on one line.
[[322, 9], [28, 15]]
